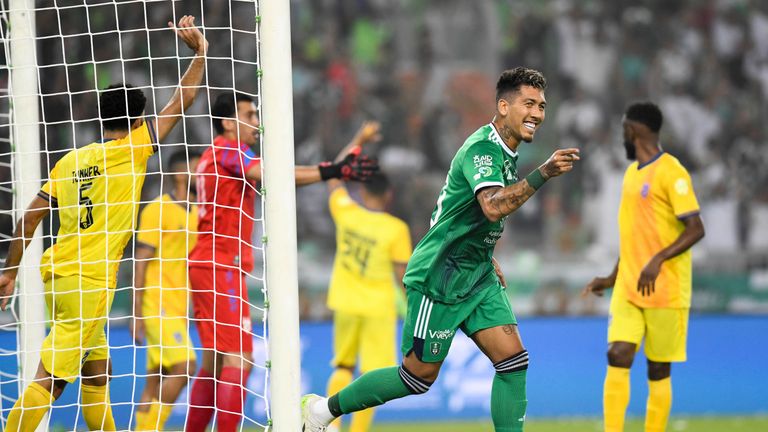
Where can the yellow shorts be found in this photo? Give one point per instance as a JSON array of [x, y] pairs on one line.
[[370, 338], [168, 342], [665, 329], [79, 311]]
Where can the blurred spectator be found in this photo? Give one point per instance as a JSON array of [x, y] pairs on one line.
[[426, 70]]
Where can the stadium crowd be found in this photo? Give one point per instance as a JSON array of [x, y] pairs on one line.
[[427, 74]]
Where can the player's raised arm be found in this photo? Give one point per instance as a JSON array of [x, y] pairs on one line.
[[25, 230], [370, 131], [498, 202], [190, 81], [349, 165]]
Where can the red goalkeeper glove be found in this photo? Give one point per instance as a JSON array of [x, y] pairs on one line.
[[354, 167]]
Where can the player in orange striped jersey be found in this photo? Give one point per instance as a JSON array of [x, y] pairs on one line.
[[658, 224]]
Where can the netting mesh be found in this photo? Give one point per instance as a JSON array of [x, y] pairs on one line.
[[85, 46]]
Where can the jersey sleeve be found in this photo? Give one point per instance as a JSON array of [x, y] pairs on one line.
[[238, 161], [483, 165], [680, 192], [340, 202], [48, 191], [149, 226], [143, 140], [401, 247]]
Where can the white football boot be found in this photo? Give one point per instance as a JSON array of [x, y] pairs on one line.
[[311, 422]]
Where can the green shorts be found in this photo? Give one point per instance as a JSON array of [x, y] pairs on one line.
[[430, 326]]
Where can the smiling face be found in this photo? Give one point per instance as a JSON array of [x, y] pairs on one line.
[[521, 113]]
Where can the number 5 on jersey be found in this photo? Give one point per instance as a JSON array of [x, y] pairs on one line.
[[87, 220]]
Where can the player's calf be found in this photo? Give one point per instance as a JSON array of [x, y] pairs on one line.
[[508, 394]]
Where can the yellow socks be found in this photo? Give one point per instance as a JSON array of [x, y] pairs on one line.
[[141, 420], [29, 409], [361, 420], [340, 378], [147, 420], [615, 398], [97, 410], [659, 405], [165, 412], [154, 418]]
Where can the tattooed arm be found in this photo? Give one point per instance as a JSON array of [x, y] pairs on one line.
[[498, 202]]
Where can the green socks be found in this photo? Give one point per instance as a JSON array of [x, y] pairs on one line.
[[508, 398], [508, 401], [375, 388]]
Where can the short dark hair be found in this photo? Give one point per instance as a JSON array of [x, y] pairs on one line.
[[377, 185], [647, 113], [120, 105], [181, 157], [225, 107], [512, 79]]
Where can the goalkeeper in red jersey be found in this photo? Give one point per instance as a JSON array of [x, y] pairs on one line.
[[227, 178], [95, 190]]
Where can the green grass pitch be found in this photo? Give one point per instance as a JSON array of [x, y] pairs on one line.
[[695, 424]]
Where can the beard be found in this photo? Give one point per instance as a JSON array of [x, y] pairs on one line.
[[630, 149]]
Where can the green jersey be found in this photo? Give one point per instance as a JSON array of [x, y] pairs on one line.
[[453, 260]]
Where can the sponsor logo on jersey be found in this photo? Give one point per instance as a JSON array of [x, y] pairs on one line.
[[484, 160], [483, 171], [441, 334], [435, 347]]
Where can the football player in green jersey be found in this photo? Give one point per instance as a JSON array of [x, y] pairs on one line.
[[452, 280]]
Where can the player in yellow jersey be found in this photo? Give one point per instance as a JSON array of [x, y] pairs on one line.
[[658, 224], [95, 190], [373, 248], [166, 234]]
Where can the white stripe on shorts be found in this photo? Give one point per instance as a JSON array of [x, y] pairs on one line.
[[425, 321], [418, 317]]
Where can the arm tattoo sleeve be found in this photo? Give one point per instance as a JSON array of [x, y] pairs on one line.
[[498, 202]]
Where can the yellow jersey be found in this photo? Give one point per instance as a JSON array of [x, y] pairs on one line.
[[655, 198], [168, 227], [96, 189], [368, 244]]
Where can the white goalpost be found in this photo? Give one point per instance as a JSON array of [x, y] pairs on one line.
[[251, 54], [25, 166], [280, 215]]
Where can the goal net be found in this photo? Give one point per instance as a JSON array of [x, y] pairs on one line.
[[54, 57]]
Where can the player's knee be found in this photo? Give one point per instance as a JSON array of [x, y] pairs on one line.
[[514, 363], [57, 388], [621, 354], [425, 371], [96, 380], [414, 383], [348, 368], [659, 371]]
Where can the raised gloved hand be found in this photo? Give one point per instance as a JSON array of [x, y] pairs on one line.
[[354, 167]]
